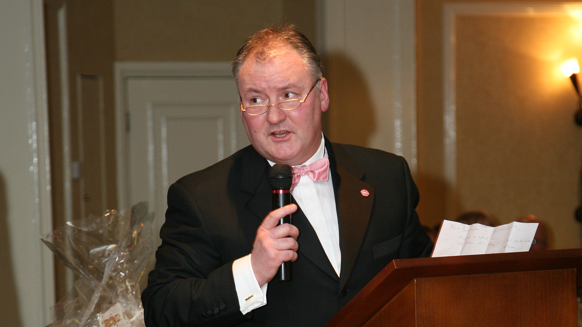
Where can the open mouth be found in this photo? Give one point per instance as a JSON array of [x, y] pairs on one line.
[[280, 133]]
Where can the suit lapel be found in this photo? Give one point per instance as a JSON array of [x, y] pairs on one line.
[[353, 208], [255, 181], [309, 245]]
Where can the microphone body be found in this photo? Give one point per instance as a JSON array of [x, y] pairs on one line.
[[282, 198], [281, 177]]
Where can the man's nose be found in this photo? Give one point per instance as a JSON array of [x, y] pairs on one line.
[[275, 115]]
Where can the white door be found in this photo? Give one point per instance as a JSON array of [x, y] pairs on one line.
[[177, 125]]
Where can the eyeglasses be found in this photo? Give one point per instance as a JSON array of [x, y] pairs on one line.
[[286, 105]]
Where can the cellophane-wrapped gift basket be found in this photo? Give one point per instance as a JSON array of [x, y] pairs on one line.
[[110, 256]]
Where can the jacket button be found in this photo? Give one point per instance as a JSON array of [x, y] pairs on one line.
[[209, 313], [216, 311], [222, 306], [345, 292]]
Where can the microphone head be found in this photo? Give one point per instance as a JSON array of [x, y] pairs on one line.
[[280, 177]]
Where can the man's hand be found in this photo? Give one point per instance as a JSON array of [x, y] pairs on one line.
[[274, 244]]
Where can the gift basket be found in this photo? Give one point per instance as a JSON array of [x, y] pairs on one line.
[[110, 255]]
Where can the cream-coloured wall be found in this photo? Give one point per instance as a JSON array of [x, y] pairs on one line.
[[518, 150], [212, 31], [184, 30]]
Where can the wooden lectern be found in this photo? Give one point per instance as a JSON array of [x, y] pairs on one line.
[[508, 289]]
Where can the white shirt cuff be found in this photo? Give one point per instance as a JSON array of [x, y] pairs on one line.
[[250, 294]]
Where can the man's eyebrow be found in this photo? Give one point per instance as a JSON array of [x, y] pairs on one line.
[[288, 86], [252, 90]]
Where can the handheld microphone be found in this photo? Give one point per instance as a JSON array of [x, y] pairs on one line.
[[281, 178]]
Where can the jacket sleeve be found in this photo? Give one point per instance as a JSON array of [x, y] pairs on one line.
[[415, 243], [190, 285]]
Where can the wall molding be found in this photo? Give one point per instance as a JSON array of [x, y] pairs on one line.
[[38, 133], [124, 71]]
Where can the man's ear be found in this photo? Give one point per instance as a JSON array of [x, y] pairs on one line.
[[323, 95], [240, 107]]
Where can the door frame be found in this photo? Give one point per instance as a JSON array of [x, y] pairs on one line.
[[27, 191], [125, 71]]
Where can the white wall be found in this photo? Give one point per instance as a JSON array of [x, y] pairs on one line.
[[369, 47], [26, 285]]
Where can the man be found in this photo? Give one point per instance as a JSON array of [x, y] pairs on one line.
[[221, 246]]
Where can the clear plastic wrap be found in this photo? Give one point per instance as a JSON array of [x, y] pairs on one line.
[[110, 254]]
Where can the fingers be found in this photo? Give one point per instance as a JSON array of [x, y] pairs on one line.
[[274, 216], [288, 256], [284, 230], [274, 244], [286, 243]]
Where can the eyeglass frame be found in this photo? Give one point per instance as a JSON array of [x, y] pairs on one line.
[[278, 103]]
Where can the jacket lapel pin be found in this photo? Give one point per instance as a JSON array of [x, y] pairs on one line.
[[365, 193]]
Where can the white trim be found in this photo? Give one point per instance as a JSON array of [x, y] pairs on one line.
[[127, 70], [396, 33], [402, 60], [450, 132], [80, 143], [406, 92], [450, 13], [40, 157], [533, 9], [164, 156], [66, 129], [102, 147], [151, 158]]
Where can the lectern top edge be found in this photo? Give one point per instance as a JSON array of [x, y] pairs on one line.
[[400, 272]]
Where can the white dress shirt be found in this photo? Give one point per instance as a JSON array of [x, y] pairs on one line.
[[317, 200]]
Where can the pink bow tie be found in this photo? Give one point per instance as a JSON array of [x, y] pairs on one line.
[[317, 171]]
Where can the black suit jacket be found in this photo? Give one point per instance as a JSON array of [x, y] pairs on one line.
[[212, 219]]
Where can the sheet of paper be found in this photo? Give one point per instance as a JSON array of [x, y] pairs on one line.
[[461, 239], [477, 239], [499, 239], [451, 239], [521, 238]]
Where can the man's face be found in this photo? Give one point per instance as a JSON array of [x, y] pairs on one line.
[[287, 137]]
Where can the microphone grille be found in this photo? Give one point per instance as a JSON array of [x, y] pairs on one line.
[[280, 177]]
